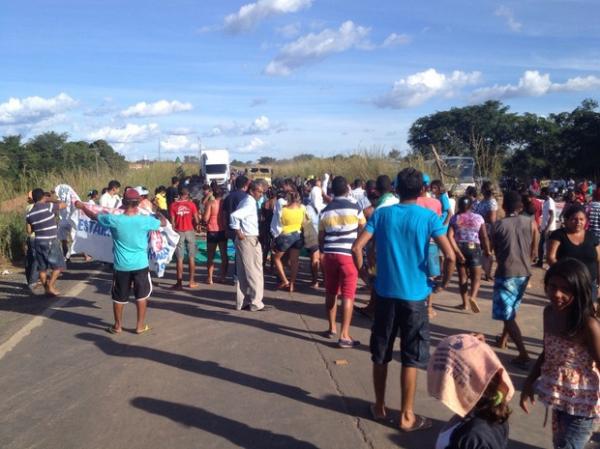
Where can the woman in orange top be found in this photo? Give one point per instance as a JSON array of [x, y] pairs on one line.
[[215, 236]]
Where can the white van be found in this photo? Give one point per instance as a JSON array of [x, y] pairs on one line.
[[214, 166]]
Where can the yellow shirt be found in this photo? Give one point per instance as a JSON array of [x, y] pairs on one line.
[[291, 219], [161, 201]]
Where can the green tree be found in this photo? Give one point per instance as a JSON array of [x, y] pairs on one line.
[[266, 160]]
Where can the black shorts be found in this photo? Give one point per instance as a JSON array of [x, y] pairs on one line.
[[123, 280], [410, 320], [472, 253], [283, 242], [216, 237]]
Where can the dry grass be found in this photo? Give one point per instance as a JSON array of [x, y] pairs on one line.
[[361, 164]]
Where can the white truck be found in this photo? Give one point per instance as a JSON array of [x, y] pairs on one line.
[[214, 166]]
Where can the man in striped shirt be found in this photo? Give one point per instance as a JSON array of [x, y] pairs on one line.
[[47, 251], [340, 223]]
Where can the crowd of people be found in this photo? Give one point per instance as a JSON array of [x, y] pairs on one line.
[[403, 238]]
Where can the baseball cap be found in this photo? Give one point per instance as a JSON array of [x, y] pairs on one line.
[[131, 194], [142, 190], [426, 179]]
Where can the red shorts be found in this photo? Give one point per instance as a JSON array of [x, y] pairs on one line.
[[341, 276]]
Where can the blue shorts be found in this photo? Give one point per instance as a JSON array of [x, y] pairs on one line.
[[433, 260], [508, 293], [49, 254]]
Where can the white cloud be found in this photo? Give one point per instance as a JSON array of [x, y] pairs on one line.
[[535, 84], [315, 47], [396, 39], [416, 89], [254, 145], [289, 31], [177, 143], [182, 131], [260, 125], [130, 133], [250, 14], [31, 110], [162, 107], [508, 15]]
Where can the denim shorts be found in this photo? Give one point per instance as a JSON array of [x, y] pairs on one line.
[[283, 242], [48, 254], [507, 296], [472, 253], [569, 431], [407, 319]]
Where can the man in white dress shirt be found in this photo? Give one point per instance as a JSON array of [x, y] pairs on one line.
[[248, 252]]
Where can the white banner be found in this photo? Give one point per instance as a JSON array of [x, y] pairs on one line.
[[91, 238]]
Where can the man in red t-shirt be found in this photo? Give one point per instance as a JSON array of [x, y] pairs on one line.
[[185, 218]]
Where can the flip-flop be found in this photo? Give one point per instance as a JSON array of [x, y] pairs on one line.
[[474, 306], [382, 419], [421, 423], [144, 330], [112, 330], [329, 334]]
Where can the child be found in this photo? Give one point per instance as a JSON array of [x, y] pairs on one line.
[[465, 374], [565, 376]]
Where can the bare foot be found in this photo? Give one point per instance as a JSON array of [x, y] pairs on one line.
[[177, 286], [208, 282], [193, 285]]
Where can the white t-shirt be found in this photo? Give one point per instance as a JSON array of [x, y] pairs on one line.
[[108, 200], [316, 198], [549, 205]]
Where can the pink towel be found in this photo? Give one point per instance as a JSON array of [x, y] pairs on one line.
[[461, 369]]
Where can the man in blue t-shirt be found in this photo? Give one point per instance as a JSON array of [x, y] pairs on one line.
[[130, 250], [402, 233]]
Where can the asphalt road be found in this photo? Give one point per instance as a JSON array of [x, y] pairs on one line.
[[207, 376]]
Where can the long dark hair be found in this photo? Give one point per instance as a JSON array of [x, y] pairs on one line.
[[577, 276]]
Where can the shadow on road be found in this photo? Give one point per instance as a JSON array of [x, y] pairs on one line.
[[238, 433]]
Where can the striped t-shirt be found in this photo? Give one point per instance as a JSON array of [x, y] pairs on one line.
[[339, 222], [42, 219]]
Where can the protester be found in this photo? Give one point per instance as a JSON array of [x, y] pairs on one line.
[[468, 236], [402, 288], [41, 222], [466, 376], [110, 198], [290, 240], [145, 203], [514, 239], [341, 220], [576, 242], [287, 186], [548, 224], [316, 195], [248, 252], [488, 209], [160, 200], [185, 219], [215, 236], [129, 231], [264, 224], [433, 261], [231, 203], [92, 196], [172, 191], [566, 376], [593, 214]]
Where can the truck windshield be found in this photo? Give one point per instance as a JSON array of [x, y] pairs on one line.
[[216, 169]]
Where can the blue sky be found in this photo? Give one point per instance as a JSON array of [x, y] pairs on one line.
[[283, 77]]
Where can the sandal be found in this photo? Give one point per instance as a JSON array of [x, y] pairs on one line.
[[144, 330], [421, 423], [112, 330], [474, 306], [377, 418]]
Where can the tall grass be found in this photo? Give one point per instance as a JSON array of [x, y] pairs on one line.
[[363, 164], [12, 237]]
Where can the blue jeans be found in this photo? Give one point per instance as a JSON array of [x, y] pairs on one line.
[[569, 431]]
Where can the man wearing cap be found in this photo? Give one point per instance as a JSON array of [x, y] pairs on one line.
[[129, 231], [145, 203], [184, 217]]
